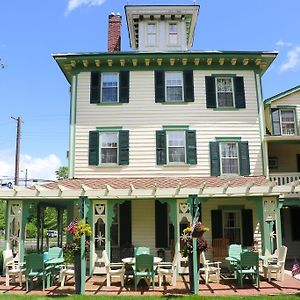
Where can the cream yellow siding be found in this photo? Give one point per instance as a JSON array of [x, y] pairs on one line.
[[143, 224], [142, 117]]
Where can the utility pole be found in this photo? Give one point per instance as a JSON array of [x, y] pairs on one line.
[[18, 140]]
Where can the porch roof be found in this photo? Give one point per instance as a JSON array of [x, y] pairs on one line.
[[151, 187]]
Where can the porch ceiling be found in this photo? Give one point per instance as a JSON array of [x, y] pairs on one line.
[[158, 187]]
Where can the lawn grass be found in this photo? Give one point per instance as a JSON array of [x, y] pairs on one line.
[[190, 297]]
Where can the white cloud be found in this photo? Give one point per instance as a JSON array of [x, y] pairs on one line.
[[38, 167], [281, 43], [73, 4], [292, 60]]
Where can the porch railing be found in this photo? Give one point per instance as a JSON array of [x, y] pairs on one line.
[[284, 178]]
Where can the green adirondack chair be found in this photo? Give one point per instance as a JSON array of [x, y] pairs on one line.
[[55, 252], [248, 266], [234, 254], [35, 268], [141, 250], [143, 268]]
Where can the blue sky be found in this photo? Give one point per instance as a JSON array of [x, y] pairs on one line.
[[32, 86]]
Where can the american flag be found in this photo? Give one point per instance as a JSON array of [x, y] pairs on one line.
[[71, 225], [296, 268]]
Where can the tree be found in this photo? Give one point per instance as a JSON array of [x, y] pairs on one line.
[[62, 173]]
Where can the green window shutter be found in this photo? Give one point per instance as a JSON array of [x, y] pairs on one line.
[[161, 225], [191, 147], [244, 158], [214, 159], [95, 87], [188, 83], [239, 92], [161, 147], [216, 224], [125, 224], [93, 148], [247, 227], [276, 121], [210, 86], [124, 87], [123, 147], [159, 86]]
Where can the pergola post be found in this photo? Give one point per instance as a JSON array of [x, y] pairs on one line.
[[25, 211], [193, 201]]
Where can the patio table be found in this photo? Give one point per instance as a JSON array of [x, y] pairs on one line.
[[131, 260]]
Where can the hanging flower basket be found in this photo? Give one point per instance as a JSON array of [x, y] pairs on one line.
[[197, 233], [198, 230]]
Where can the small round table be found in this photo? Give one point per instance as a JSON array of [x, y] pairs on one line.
[[131, 260]]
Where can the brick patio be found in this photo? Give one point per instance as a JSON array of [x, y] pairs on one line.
[[96, 285]]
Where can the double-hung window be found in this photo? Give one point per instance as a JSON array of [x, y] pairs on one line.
[[174, 86], [284, 121], [176, 147], [151, 34], [229, 158], [173, 33], [109, 147], [110, 87], [232, 226], [288, 126], [224, 90]]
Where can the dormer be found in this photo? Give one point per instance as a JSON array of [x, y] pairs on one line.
[[161, 27]]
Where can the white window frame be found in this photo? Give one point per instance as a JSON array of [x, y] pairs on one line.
[[100, 148], [217, 92], [173, 33], [281, 123], [151, 34], [239, 213], [180, 77], [184, 140], [118, 86], [221, 157]]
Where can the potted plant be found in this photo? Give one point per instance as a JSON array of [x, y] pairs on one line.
[[72, 249]]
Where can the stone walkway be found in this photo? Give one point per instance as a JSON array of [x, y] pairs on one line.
[[96, 285]]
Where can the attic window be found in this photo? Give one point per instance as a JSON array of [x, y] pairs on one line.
[[173, 33]]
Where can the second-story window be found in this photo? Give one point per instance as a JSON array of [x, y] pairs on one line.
[[109, 89], [173, 33], [284, 121], [229, 158], [174, 86], [109, 147], [224, 88], [176, 146], [151, 34], [287, 122]]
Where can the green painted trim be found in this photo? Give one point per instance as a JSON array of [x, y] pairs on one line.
[[109, 129], [109, 104], [24, 221], [175, 103], [279, 228], [105, 165], [231, 207], [223, 75], [90, 215], [286, 107], [228, 139], [291, 202], [262, 127], [282, 94], [177, 164], [226, 108], [175, 127]]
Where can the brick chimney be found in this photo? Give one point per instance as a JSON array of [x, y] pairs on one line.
[[114, 32]]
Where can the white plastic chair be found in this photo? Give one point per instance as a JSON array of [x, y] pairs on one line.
[[12, 267], [275, 267], [66, 271], [209, 268], [168, 268], [113, 269]]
